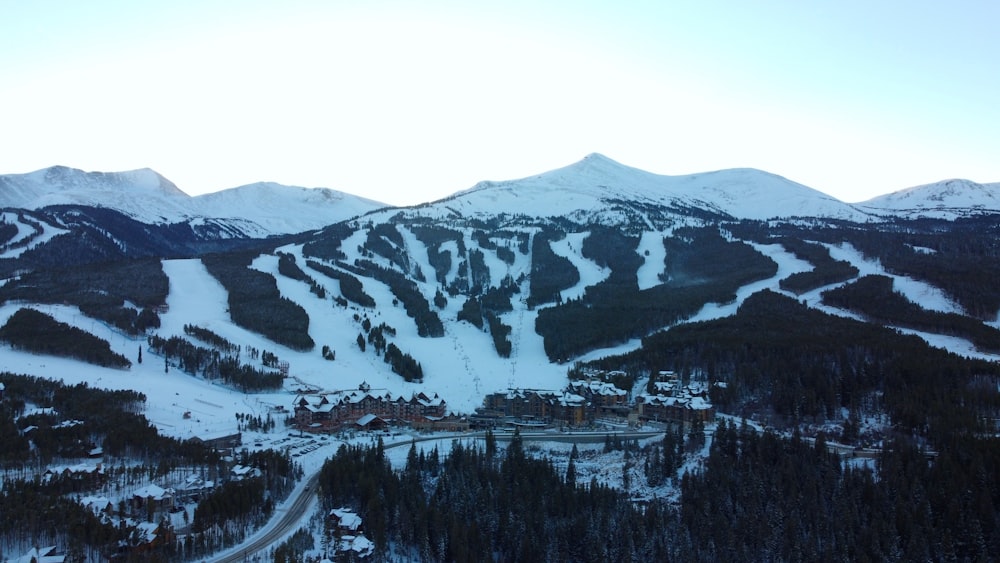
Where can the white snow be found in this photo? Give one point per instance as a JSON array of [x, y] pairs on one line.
[[922, 293], [654, 254], [12, 249], [262, 209], [946, 199], [571, 248], [586, 186]]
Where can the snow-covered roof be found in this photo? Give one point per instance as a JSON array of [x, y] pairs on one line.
[[154, 492], [361, 545], [367, 419], [40, 555], [78, 468], [347, 518], [96, 504], [571, 399], [598, 388]]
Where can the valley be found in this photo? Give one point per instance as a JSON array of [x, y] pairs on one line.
[[756, 290]]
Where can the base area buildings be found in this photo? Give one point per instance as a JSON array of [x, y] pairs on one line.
[[581, 403], [364, 407], [585, 401]]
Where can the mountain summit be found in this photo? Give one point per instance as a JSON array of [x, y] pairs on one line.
[[945, 199], [61, 185], [596, 181], [255, 210]]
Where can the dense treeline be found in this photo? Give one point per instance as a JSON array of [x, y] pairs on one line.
[[757, 497], [7, 231], [433, 238], [701, 267], [497, 298], [290, 269], [504, 253], [31, 330], [763, 498], [500, 333], [350, 287], [472, 312], [777, 356], [100, 291], [403, 364], [416, 305], [611, 248], [826, 270], [385, 240], [961, 257], [214, 340], [482, 505], [874, 298], [212, 364], [550, 273], [234, 505], [479, 272], [111, 419], [964, 261], [255, 302], [30, 517], [37, 511], [327, 244]]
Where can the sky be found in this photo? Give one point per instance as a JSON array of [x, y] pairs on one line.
[[408, 102]]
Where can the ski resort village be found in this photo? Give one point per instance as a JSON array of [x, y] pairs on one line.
[[595, 363]]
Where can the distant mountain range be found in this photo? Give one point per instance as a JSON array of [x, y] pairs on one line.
[[255, 210], [871, 327], [595, 185]]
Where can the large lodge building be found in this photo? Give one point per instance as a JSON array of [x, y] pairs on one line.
[[326, 412], [584, 401]]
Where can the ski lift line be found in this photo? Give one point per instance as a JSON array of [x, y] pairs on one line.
[[204, 402]]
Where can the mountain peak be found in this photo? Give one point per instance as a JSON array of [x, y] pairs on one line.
[[947, 198], [596, 184]]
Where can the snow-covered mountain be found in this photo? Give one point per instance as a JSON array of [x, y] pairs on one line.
[[946, 199], [596, 187], [255, 210], [142, 194], [278, 208], [590, 185]]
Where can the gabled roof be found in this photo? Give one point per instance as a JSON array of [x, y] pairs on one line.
[[598, 388], [40, 555], [154, 492], [368, 419], [346, 518]]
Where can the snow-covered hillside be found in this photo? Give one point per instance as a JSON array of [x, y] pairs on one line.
[[589, 185], [255, 210], [283, 209], [596, 187], [142, 194], [947, 199]]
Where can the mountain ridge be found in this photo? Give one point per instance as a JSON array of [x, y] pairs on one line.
[[255, 210], [950, 198], [594, 185]]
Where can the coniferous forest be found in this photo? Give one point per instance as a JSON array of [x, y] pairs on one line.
[[842, 435]]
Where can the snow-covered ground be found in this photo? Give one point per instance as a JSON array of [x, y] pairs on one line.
[[462, 366], [12, 249]]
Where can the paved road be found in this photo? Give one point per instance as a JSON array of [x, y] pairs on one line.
[[289, 518]]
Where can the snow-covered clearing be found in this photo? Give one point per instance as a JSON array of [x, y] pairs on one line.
[[654, 254], [24, 230], [571, 248], [921, 293]]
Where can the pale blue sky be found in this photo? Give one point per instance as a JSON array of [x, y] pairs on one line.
[[405, 102]]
